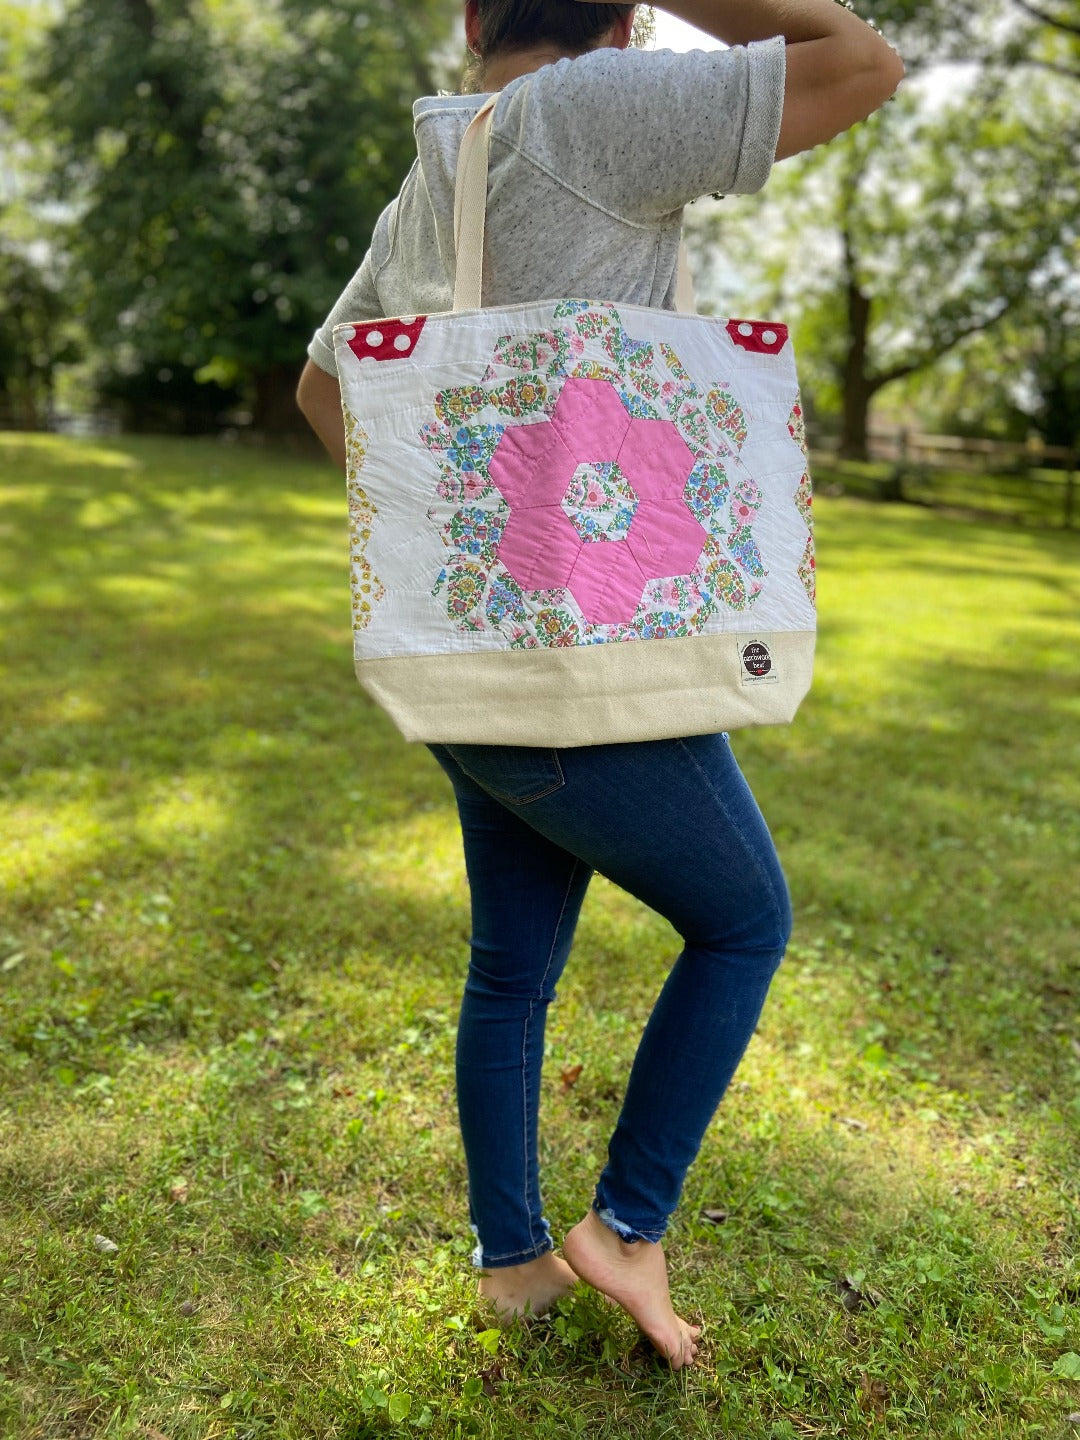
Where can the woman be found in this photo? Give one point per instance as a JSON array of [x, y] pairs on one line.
[[595, 151]]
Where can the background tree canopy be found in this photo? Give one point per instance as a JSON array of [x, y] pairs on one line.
[[944, 230], [194, 181], [221, 164]]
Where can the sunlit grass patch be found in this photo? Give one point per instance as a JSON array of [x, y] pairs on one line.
[[233, 925]]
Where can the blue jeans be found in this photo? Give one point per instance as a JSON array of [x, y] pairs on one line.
[[674, 823]]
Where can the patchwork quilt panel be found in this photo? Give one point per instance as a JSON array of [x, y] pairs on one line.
[[572, 473]]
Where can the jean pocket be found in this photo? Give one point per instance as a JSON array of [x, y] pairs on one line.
[[514, 774]]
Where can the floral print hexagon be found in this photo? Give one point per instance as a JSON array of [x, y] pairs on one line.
[[599, 502], [367, 589], [804, 501], [585, 499]]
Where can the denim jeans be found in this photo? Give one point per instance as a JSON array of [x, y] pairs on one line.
[[674, 823]]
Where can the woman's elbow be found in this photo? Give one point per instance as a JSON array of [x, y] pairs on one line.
[[832, 85], [882, 71], [892, 70]]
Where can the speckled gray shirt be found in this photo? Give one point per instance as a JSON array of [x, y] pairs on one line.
[[592, 162]]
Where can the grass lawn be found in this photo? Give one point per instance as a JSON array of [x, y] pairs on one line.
[[233, 927]]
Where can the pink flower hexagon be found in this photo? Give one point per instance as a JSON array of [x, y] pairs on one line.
[[532, 468]]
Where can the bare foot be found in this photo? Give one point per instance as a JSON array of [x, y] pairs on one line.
[[531, 1289], [635, 1276]]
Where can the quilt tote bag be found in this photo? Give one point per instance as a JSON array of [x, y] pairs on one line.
[[574, 522]]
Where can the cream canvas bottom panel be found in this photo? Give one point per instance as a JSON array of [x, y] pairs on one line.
[[594, 695]]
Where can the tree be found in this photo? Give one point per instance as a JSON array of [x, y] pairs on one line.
[[990, 211], [928, 225], [36, 335], [223, 163]]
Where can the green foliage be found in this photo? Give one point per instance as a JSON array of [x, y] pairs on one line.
[[992, 206], [213, 169], [233, 925], [17, 25], [993, 250], [1023, 377], [935, 221], [922, 29], [36, 332], [995, 33], [1054, 350], [224, 164]]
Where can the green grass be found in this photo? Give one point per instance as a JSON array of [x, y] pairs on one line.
[[233, 932]]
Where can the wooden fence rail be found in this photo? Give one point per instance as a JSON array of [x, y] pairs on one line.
[[945, 469]]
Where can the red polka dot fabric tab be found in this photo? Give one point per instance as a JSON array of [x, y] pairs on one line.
[[758, 336], [387, 339]]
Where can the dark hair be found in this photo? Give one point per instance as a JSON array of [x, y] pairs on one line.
[[574, 27]]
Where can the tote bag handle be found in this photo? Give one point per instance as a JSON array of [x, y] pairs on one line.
[[470, 214]]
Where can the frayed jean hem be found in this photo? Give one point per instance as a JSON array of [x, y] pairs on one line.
[[482, 1261], [625, 1232]]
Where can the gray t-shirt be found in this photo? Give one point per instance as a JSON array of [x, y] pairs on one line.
[[592, 162]]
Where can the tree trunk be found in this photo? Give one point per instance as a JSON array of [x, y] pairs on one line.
[[19, 408], [855, 437], [276, 411], [859, 390]]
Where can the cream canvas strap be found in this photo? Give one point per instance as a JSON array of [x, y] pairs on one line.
[[470, 208], [470, 214]]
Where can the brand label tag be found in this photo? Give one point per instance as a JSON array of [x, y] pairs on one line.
[[756, 664]]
